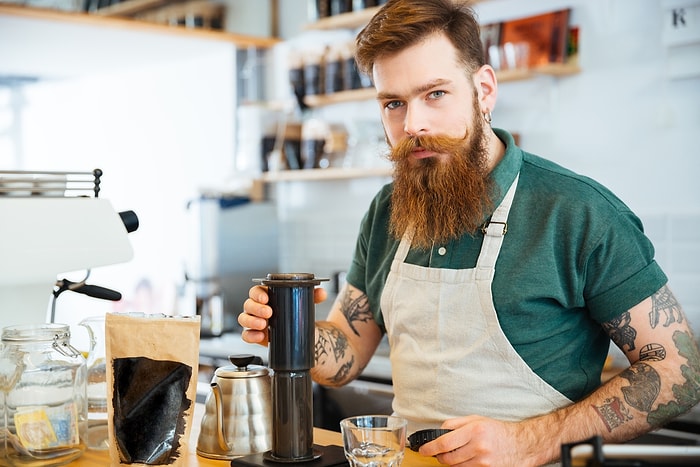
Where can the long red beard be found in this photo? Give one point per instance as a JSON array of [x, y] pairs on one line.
[[440, 198]]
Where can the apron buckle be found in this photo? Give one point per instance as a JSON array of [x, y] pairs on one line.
[[487, 230]]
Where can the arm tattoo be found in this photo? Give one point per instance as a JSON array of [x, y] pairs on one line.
[[644, 388], [343, 371], [652, 352], [613, 413], [621, 332], [663, 302], [686, 394], [356, 309], [331, 343]]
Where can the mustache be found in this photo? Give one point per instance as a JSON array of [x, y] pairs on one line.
[[432, 143]]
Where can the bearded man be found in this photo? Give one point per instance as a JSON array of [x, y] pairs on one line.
[[499, 277]]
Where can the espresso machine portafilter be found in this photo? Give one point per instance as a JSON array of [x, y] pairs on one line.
[[291, 357]]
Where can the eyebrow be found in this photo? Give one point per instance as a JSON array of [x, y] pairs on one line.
[[418, 90]]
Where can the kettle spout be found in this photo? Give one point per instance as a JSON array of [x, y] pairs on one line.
[[221, 437]]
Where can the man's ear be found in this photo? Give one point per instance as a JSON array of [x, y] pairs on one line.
[[487, 87]]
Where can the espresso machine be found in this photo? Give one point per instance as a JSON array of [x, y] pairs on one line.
[[53, 223]]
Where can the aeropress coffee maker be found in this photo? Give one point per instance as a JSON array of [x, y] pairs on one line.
[[291, 331]]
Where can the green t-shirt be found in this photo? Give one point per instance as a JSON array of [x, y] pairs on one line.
[[574, 256]]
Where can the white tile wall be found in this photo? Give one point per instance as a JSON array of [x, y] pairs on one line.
[[677, 241], [319, 223]]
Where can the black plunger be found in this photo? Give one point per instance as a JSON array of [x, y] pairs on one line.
[[291, 346]]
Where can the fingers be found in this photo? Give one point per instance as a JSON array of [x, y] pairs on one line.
[[255, 306], [254, 337], [475, 440], [439, 445], [254, 322], [320, 295], [255, 315], [258, 293], [448, 449]]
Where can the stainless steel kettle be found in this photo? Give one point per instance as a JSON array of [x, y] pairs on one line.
[[238, 412]]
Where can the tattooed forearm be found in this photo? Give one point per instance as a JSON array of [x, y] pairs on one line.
[[343, 371], [355, 309], [621, 332], [685, 394], [644, 388], [330, 342], [613, 413], [663, 302], [332, 352]]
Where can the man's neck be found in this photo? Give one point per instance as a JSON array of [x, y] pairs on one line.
[[496, 149]]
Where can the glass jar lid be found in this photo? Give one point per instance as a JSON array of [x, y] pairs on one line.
[[35, 332]]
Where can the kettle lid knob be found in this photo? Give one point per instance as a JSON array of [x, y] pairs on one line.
[[241, 361], [244, 366]]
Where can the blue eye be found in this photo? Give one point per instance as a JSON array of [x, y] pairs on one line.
[[393, 105], [436, 94]]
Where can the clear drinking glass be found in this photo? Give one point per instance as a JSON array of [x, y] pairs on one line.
[[374, 440], [98, 434]]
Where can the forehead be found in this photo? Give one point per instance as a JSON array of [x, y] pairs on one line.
[[432, 59]]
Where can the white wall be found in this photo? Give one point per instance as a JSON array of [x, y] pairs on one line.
[[159, 133], [630, 120]]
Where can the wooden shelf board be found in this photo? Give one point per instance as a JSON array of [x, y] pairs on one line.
[[325, 174], [125, 23], [553, 69], [558, 69], [130, 7], [345, 20], [339, 97], [504, 76]]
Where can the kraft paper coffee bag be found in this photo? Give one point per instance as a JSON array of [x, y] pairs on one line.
[[152, 363]]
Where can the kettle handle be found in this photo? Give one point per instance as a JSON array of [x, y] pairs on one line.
[[221, 437]]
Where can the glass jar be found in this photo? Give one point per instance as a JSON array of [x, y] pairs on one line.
[[43, 386]]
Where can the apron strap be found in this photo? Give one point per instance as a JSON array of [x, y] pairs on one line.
[[494, 231]]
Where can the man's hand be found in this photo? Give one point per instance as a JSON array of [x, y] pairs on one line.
[[256, 313], [660, 383], [479, 441]]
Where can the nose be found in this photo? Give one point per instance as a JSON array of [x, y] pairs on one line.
[[415, 123]]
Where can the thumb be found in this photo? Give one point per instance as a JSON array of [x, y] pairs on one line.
[[320, 295]]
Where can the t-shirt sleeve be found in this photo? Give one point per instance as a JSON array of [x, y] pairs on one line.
[[621, 270], [356, 275]]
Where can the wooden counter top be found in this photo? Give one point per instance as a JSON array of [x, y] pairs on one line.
[[322, 437]]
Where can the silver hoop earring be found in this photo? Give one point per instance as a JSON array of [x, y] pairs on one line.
[[487, 116]]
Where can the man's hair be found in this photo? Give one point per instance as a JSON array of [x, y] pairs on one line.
[[402, 23]]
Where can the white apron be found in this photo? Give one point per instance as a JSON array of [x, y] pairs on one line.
[[449, 356]]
